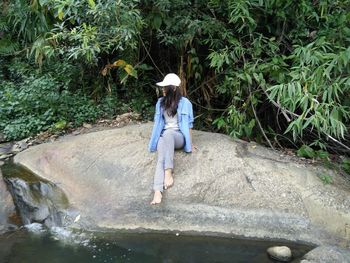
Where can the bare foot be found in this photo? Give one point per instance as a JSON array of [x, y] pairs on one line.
[[168, 179], [157, 198]]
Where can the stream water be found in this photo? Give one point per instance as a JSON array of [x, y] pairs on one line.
[[60, 245], [36, 243]]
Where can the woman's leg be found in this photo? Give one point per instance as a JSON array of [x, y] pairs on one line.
[[158, 181], [167, 143], [159, 174], [174, 140]]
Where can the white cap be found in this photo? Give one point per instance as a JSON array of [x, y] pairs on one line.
[[170, 79]]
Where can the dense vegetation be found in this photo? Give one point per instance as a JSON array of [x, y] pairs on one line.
[[273, 71]]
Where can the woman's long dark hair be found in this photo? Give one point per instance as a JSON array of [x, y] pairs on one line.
[[171, 100]]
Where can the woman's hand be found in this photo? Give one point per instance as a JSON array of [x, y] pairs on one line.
[[194, 148]]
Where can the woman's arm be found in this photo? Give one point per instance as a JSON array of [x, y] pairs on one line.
[[192, 144], [191, 136], [191, 119]]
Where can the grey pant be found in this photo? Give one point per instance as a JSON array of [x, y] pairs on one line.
[[167, 143]]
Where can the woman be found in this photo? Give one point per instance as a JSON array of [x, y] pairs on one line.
[[173, 122]]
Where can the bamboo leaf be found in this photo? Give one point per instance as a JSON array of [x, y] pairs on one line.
[[308, 121], [130, 70], [92, 4], [306, 151], [120, 63], [60, 14]]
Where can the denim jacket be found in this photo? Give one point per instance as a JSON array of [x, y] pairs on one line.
[[185, 119]]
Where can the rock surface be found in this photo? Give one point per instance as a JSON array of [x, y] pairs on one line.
[[20, 146], [280, 253], [227, 186], [38, 201], [6, 150], [327, 254], [9, 149], [7, 207]]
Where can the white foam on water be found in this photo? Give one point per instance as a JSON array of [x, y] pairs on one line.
[[35, 228], [69, 237]]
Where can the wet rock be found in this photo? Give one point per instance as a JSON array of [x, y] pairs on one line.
[[20, 146], [280, 253], [1, 163], [327, 254], [7, 207], [38, 201], [5, 156], [6, 148]]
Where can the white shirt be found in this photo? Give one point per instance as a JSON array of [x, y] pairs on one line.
[[170, 122]]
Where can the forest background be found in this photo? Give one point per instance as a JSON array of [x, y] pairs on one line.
[[272, 71]]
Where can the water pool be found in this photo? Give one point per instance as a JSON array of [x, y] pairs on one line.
[[60, 245]]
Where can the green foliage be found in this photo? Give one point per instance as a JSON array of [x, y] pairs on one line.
[[8, 46], [251, 67], [307, 152], [346, 165], [31, 103], [326, 179], [314, 89], [60, 125], [85, 30], [322, 154], [110, 106], [235, 124], [294, 59], [27, 21]]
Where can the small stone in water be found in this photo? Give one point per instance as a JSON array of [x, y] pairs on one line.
[[177, 234], [281, 253]]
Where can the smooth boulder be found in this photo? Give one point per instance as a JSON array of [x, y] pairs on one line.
[[227, 186]]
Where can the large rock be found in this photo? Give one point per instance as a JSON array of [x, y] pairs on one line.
[[227, 186], [327, 254], [7, 207], [38, 201]]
